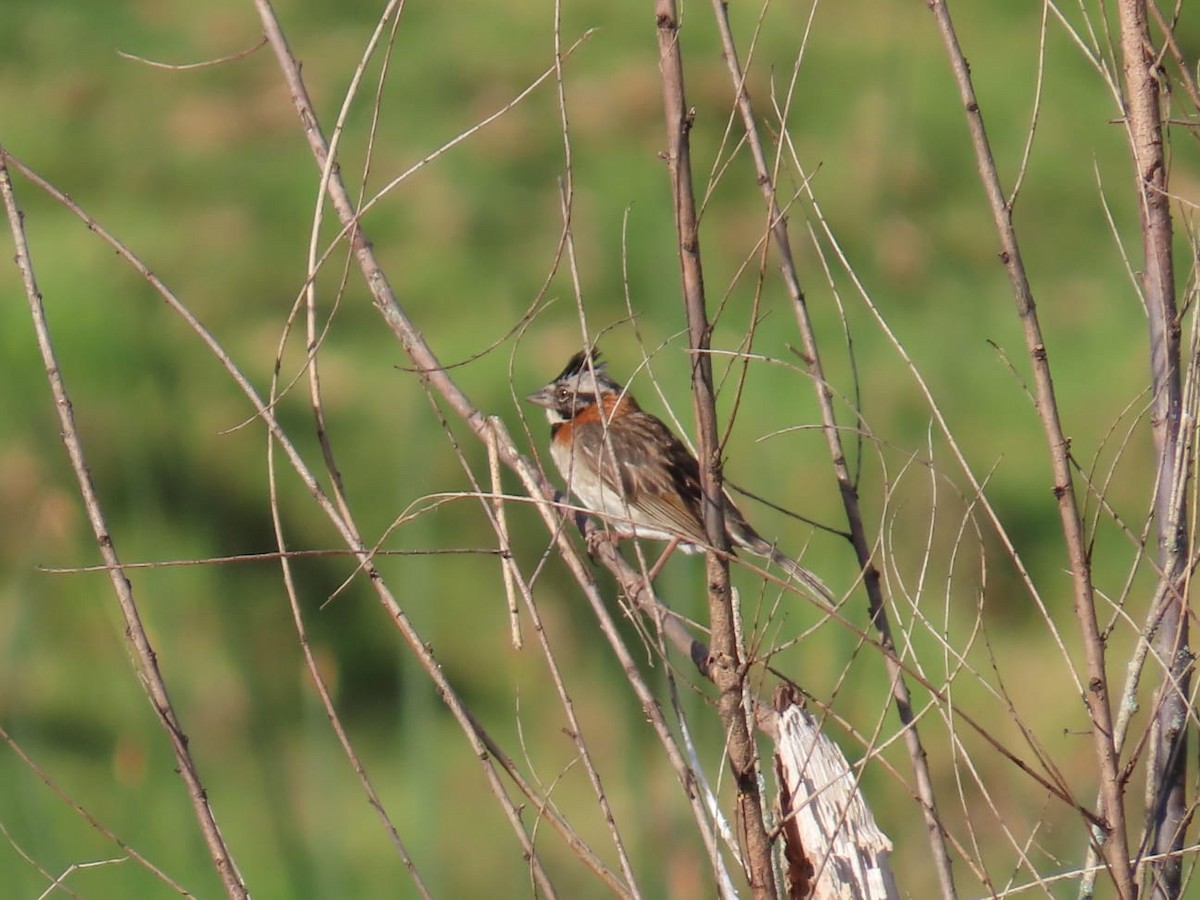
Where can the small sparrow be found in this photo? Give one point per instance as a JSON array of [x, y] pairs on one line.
[[626, 466]]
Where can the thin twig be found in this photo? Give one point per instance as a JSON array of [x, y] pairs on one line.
[[1116, 840], [426, 363], [482, 745], [148, 671], [95, 823], [779, 232], [726, 655], [1167, 775], [203, 64]]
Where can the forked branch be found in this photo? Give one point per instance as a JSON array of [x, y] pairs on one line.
[[1116, 840], [726, 664], [1167, 777], [778, 227]]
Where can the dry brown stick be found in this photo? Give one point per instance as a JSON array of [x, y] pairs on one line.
[[314, 342], [727, 667], [779, 231], [315, 338], [1096, 695], [428, 367], [480, 742], [83, 813], [147, 662], [567, 249], [377, 281], [289, 581], [1185, 69], [574, 728], [322, 688], [1168, 775], [633, 585], [641, 595], [1167, 778]]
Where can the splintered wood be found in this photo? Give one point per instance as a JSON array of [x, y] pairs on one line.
[[832, 848]]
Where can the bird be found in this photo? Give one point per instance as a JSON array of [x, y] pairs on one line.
[[626, 466]]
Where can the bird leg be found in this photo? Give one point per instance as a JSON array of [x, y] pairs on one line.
[[657, 567], [595, 537]]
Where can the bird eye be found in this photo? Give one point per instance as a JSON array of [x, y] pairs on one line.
[[564, 395]]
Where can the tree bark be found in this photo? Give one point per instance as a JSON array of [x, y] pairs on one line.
[[726, 663], [1168, 812]]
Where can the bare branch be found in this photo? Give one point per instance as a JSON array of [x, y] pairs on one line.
[[777, 224], [727, 655], [1168, 775], [1116, 840], [149, 674]]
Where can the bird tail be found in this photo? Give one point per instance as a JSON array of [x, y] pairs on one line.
[[810, 582], [744, 536]]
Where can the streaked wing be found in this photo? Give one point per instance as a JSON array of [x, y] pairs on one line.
[[658, 476]]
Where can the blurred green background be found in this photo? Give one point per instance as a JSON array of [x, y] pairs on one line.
[[206, 175]]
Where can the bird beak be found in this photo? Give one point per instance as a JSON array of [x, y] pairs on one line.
[[543, 398]]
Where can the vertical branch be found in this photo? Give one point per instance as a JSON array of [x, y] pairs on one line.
[[1112, 781], [1168, 814], [726, 664], [149, 673], [778, 224]]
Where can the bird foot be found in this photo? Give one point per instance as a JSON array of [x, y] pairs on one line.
[[597, 537]]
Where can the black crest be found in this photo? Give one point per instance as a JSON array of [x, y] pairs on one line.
[[587, 358]]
